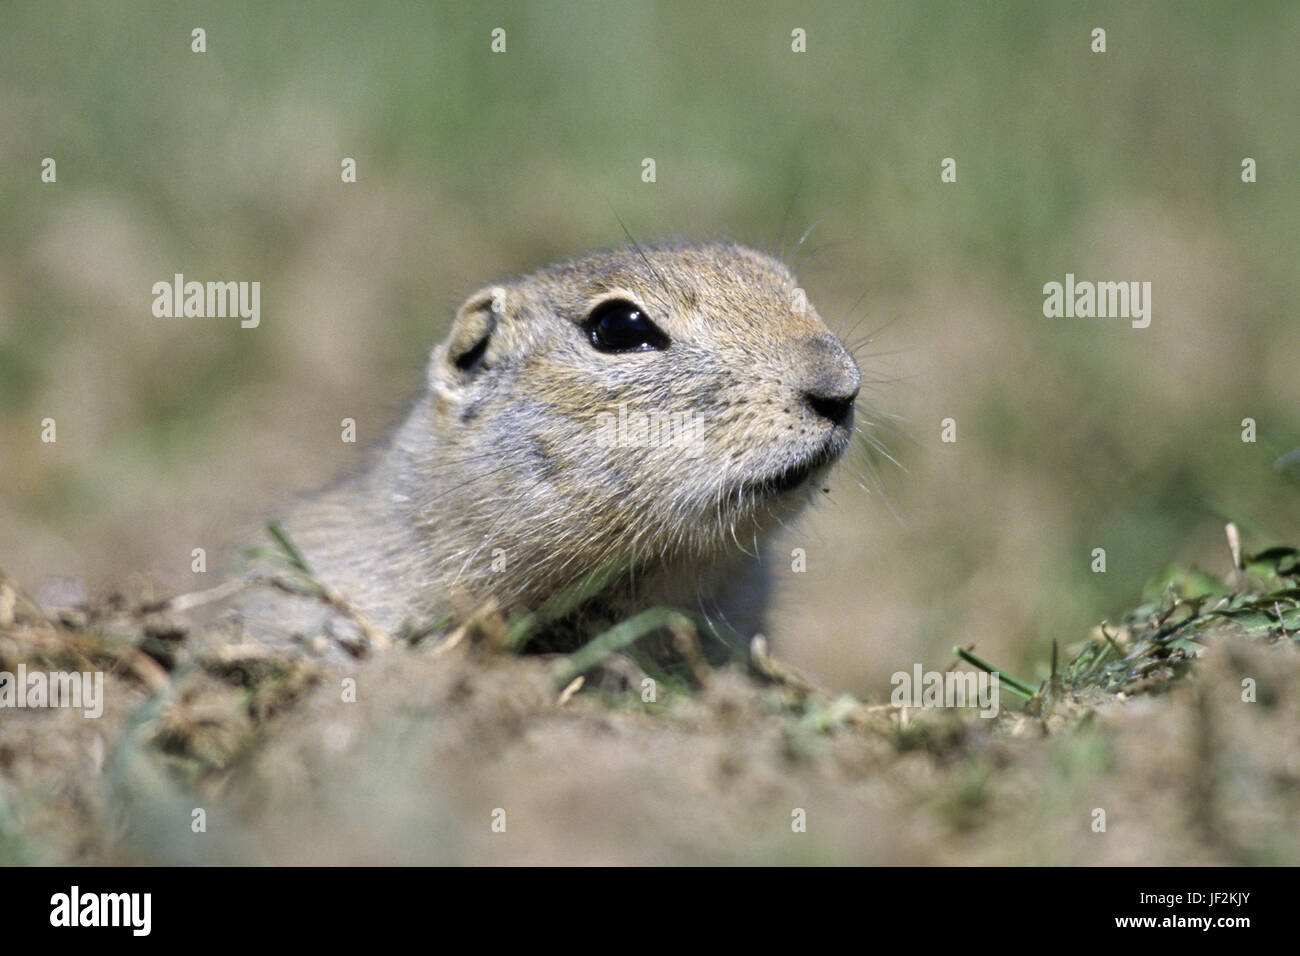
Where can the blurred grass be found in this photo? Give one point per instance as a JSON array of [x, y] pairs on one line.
[[1073, 435]]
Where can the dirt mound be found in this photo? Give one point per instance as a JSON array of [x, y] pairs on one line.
[[212, 749]]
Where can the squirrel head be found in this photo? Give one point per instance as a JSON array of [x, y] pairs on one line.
[[643, 402]]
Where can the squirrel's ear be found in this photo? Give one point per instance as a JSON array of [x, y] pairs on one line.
[[465, 353]]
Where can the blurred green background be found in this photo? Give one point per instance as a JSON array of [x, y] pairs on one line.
[[1073, 434]]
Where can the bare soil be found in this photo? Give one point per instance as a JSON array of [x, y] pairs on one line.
[[467, 754]]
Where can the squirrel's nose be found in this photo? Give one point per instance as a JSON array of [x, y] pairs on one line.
[[838, 409], [834, 380]]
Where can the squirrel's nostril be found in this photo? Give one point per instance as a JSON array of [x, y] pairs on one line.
[[837, 409]]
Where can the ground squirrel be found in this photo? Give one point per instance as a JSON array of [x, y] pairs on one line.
[[659, 406]]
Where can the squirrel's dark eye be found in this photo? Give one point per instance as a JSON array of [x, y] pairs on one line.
[[619, 326]]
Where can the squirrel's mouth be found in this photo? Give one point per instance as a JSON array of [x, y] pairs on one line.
[[797, 474], [786, 480]]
